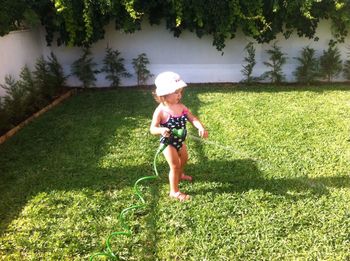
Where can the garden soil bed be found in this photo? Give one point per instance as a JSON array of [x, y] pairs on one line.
[[55, 102]]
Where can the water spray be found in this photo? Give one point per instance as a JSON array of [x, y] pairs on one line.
[[231, 149], [213, 143]]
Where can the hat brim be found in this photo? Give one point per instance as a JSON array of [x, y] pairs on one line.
[[171, 89]]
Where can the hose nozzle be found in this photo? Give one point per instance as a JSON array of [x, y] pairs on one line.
[[180, 133]]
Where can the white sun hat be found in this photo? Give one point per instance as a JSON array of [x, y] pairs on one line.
[[168, 82]]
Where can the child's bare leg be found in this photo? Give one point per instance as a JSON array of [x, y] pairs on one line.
[[173, 159], [183, 159]]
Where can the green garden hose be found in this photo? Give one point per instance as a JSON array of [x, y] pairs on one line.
[[108, 252]]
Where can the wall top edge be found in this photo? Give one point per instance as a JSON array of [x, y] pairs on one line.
[[20, 31]]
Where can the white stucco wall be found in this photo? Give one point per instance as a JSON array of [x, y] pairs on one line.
[[17, 49], [195, 59]]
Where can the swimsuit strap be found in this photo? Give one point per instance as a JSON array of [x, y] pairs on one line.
[[184, 111], [162, 109]]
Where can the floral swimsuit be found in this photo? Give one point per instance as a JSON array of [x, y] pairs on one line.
[[174, 122]]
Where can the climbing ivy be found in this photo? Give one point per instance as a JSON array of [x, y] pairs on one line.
[[82, 22], [16, 14]]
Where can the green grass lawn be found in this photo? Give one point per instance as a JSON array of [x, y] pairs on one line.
[[272, 183]]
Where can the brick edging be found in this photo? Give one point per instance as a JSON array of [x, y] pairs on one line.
[[13, 131]]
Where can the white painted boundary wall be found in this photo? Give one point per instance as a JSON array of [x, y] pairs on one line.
[[195, 59], [17, 49]]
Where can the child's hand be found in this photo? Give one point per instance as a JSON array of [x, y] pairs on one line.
[[203, 133], [165, 132]]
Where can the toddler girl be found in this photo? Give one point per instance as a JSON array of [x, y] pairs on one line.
[[170, 114]]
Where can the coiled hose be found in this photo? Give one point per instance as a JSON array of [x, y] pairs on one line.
[[108, 252]]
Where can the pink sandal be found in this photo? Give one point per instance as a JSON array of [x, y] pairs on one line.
[[186, 177], [179, 196]]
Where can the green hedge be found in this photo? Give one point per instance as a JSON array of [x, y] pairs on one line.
[[81, 22]]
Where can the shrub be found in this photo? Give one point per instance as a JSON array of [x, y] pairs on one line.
[[140, 66], [346, 71], [56, 77], [4, 117], [277, 60], [43, 90], [251, 62], [49, 80], [308, 68], [83, 68], [113, 66], [346, 67], [31, 92], [330, 62], [15, 101]]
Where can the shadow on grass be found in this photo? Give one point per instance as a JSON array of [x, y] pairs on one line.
[[242, 175], [36, 178], [62, 150]]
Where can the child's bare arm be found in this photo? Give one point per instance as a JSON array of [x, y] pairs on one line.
[[198, 125], [155, 127]]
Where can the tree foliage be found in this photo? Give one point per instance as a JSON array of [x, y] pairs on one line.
[[31, 92], [276, 61], [346, 66], [307, 69], [113, 66], [140, 64], [83, 68], [16, 14], [250, 61], [330, 62], [81, 22], [15, 101]]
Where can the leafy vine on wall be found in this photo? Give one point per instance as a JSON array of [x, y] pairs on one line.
[[82, 22]]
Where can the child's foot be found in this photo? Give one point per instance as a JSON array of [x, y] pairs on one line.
[[186, 177], [179, 196]]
